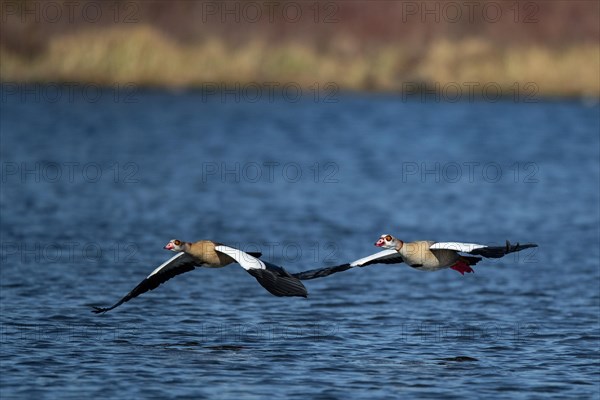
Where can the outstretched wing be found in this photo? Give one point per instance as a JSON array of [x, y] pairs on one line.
[[176, 265], [382, 257], [482, 250], [390, 256], [321, 272], [273, 278]]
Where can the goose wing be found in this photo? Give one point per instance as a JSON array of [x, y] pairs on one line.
[[482, 250], [176, 265], [382, 257], [321, 272], [389, 256], [272, 277]]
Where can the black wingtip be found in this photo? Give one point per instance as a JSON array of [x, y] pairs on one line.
[[501, 251], [321, 272], [518, 246], [279, 282], [101, 310]]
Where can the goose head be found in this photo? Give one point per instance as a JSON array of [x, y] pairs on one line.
[[388, 242], [174, 245]]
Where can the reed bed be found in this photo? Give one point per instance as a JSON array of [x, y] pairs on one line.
[[148, 57]]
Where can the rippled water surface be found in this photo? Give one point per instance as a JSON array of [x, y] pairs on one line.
[[91, 192]]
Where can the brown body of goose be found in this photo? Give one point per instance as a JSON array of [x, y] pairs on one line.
[[206, 253], [419, 255]]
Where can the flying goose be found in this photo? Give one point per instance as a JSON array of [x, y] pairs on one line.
[[206, 253], [423, 255]]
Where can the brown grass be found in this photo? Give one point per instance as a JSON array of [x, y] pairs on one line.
[[148, 57]]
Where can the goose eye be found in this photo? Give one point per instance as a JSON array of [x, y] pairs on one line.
[[388, 238], [177, 243]]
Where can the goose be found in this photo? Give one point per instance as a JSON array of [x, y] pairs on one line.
[[206, 253], [423, 255]]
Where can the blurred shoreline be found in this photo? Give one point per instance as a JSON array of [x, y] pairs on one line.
[[360, 51]]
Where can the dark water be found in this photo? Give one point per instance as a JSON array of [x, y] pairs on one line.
[[91, 192]]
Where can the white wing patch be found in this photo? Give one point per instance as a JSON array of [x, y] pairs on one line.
[[166, 263], [456, 246], [244, 259], [381, 255]]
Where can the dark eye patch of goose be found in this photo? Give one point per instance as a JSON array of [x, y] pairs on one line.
[[388, 238], [177, 242]]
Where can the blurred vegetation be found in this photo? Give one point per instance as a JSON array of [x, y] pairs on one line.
[[359, 45]]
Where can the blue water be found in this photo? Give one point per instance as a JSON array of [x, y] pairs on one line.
[[92, 191]]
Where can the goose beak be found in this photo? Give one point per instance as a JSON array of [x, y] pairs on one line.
[[169, 246], [379, 243]]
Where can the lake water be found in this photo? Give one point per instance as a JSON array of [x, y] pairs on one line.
[[92, 191]]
